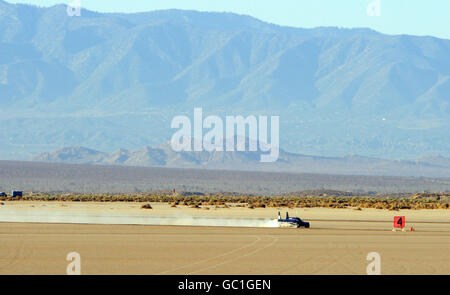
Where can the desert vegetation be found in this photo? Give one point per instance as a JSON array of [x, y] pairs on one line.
[[330, 199], [97, 179]]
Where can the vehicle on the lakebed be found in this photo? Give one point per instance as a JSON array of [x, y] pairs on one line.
[[291, 221]]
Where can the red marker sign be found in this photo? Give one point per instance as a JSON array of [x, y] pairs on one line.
[[399, 221]]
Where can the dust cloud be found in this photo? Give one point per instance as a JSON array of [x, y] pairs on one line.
[[55, 216]]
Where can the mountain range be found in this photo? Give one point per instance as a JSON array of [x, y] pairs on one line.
[[164, 156], [110, 81]]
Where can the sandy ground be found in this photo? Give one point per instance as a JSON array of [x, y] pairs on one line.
[[337, 243]]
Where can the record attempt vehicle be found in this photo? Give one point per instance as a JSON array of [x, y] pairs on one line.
[[293, 222]]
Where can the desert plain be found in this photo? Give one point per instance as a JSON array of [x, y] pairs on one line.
[[122, 238]]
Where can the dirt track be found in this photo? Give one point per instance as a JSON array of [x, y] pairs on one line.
[[338, 243], [121, 249]]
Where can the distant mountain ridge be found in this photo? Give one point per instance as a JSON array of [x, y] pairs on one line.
[[163, 156], [111, 80]]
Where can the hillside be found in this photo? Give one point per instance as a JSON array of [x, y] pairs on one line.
[[163, 156], [337, 91]]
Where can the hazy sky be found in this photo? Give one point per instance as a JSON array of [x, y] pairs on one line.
[[416, 17]]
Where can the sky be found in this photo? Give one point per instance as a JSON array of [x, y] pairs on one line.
[[413, 17]]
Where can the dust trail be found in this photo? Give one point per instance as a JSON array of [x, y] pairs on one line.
[[78, 217], [203, 221]]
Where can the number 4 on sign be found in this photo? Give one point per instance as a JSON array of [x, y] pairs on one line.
[[399, 222]]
